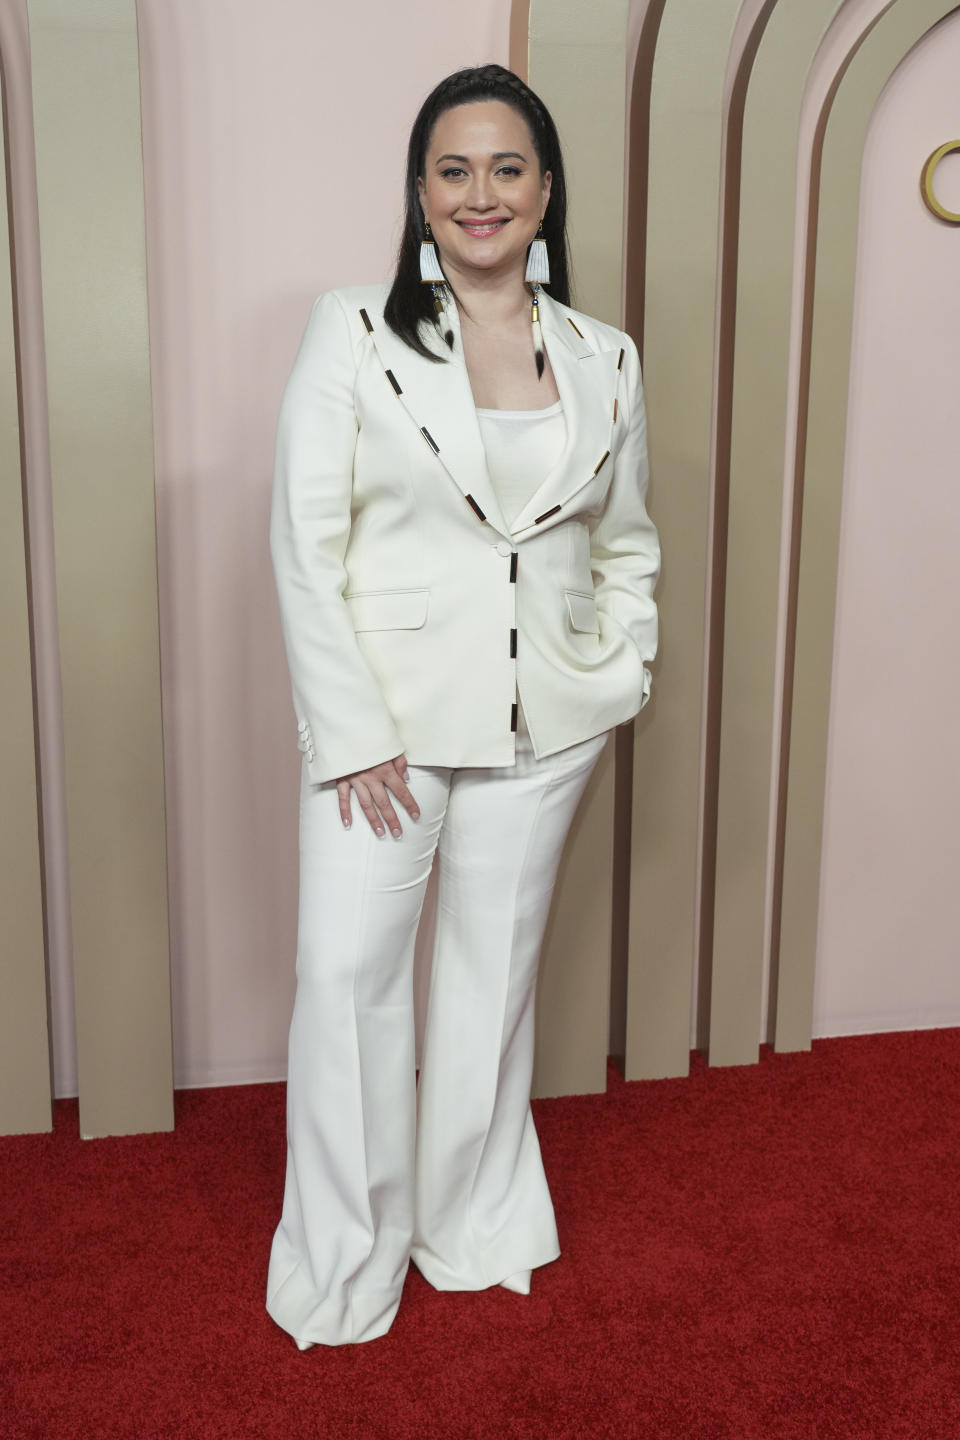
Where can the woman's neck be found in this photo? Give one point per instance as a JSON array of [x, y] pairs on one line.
[[490, 299]]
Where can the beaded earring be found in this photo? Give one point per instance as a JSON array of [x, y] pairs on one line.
[[430, 272], [538, 260], [537, 274], [432, 275]]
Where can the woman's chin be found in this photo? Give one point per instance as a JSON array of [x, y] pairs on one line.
[[486, 260]]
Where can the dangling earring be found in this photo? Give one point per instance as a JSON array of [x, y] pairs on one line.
[[537, 332], [432, 275], [538, 260], [538, 273], [430, 272]]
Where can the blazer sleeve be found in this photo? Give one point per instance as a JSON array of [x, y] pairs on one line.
[[624, 548], [343, 719]]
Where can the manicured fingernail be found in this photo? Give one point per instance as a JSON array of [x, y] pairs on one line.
[[414, 814], [346, 824], [395, 834], [379, 833]]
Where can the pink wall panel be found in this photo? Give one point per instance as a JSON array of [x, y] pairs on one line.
[[889, 942], [274, 141]]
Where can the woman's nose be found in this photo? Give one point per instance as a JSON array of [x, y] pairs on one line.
[[480, 195]]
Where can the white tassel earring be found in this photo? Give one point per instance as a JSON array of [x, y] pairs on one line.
[[538, 273], [430, 272], [538, 260], [432, 275]]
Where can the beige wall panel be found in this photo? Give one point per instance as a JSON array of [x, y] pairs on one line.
[[822, 477], [642, 29], [750, 457], [86, 101], [24, 1048], [577, 64], [574, 986], [34, 475], [681, 253]]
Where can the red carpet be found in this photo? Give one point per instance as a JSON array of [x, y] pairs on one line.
[[768, 1251]]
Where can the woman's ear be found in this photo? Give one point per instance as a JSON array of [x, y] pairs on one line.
[[421, 192], [545, 191]]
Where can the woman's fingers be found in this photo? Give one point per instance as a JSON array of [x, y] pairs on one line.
[[382, 796], [343, 791], [405, 796], [365, 800], [375, 803], [373, 789]]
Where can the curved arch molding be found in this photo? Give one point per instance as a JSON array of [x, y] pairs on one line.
[[750, 386], [747, 856], [735, 316], [686, 97], [822, 350], [703, 428]]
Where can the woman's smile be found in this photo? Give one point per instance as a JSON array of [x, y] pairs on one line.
[[482, 228]]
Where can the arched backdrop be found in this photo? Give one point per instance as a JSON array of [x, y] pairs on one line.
[[716, 150]]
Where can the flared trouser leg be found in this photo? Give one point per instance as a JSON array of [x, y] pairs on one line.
[[341, 1250], [483, 1209], [369, 1182]]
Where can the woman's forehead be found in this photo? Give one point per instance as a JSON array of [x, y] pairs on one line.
[[484, 127]]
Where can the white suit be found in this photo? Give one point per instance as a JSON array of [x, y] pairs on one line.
[[394, 564], [498, 660]]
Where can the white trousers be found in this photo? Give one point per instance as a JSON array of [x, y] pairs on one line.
[[380, 1169]]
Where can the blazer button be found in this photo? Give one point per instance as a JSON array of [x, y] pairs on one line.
[[504, 548]]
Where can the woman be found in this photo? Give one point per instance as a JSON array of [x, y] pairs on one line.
[[465, 569]]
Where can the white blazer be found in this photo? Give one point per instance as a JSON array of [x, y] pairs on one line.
[[413, 614]]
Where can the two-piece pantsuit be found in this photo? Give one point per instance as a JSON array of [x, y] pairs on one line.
[[497, 657]]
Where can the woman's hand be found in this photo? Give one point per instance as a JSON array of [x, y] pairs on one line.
[[373, 789]]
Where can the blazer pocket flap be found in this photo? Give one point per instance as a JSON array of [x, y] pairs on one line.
[[388, 609], [582, 610]]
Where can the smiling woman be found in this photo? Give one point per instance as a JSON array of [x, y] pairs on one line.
[[474, 194], [465, 568], [484, 205]]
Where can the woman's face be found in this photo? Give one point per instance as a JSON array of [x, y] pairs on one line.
[[482, 190]]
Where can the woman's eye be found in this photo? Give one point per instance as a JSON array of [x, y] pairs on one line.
[[508, 170], [451, 173]]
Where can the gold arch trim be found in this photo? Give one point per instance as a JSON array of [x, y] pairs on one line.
[[950, 217]]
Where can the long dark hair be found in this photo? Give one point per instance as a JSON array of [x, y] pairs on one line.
[[410, 302]]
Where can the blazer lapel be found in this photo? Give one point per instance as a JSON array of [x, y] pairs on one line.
[[587, 382], [440, 402]]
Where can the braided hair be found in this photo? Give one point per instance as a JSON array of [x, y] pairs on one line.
[[410, 302]]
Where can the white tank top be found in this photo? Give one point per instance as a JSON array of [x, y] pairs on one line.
[[522, 447]]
